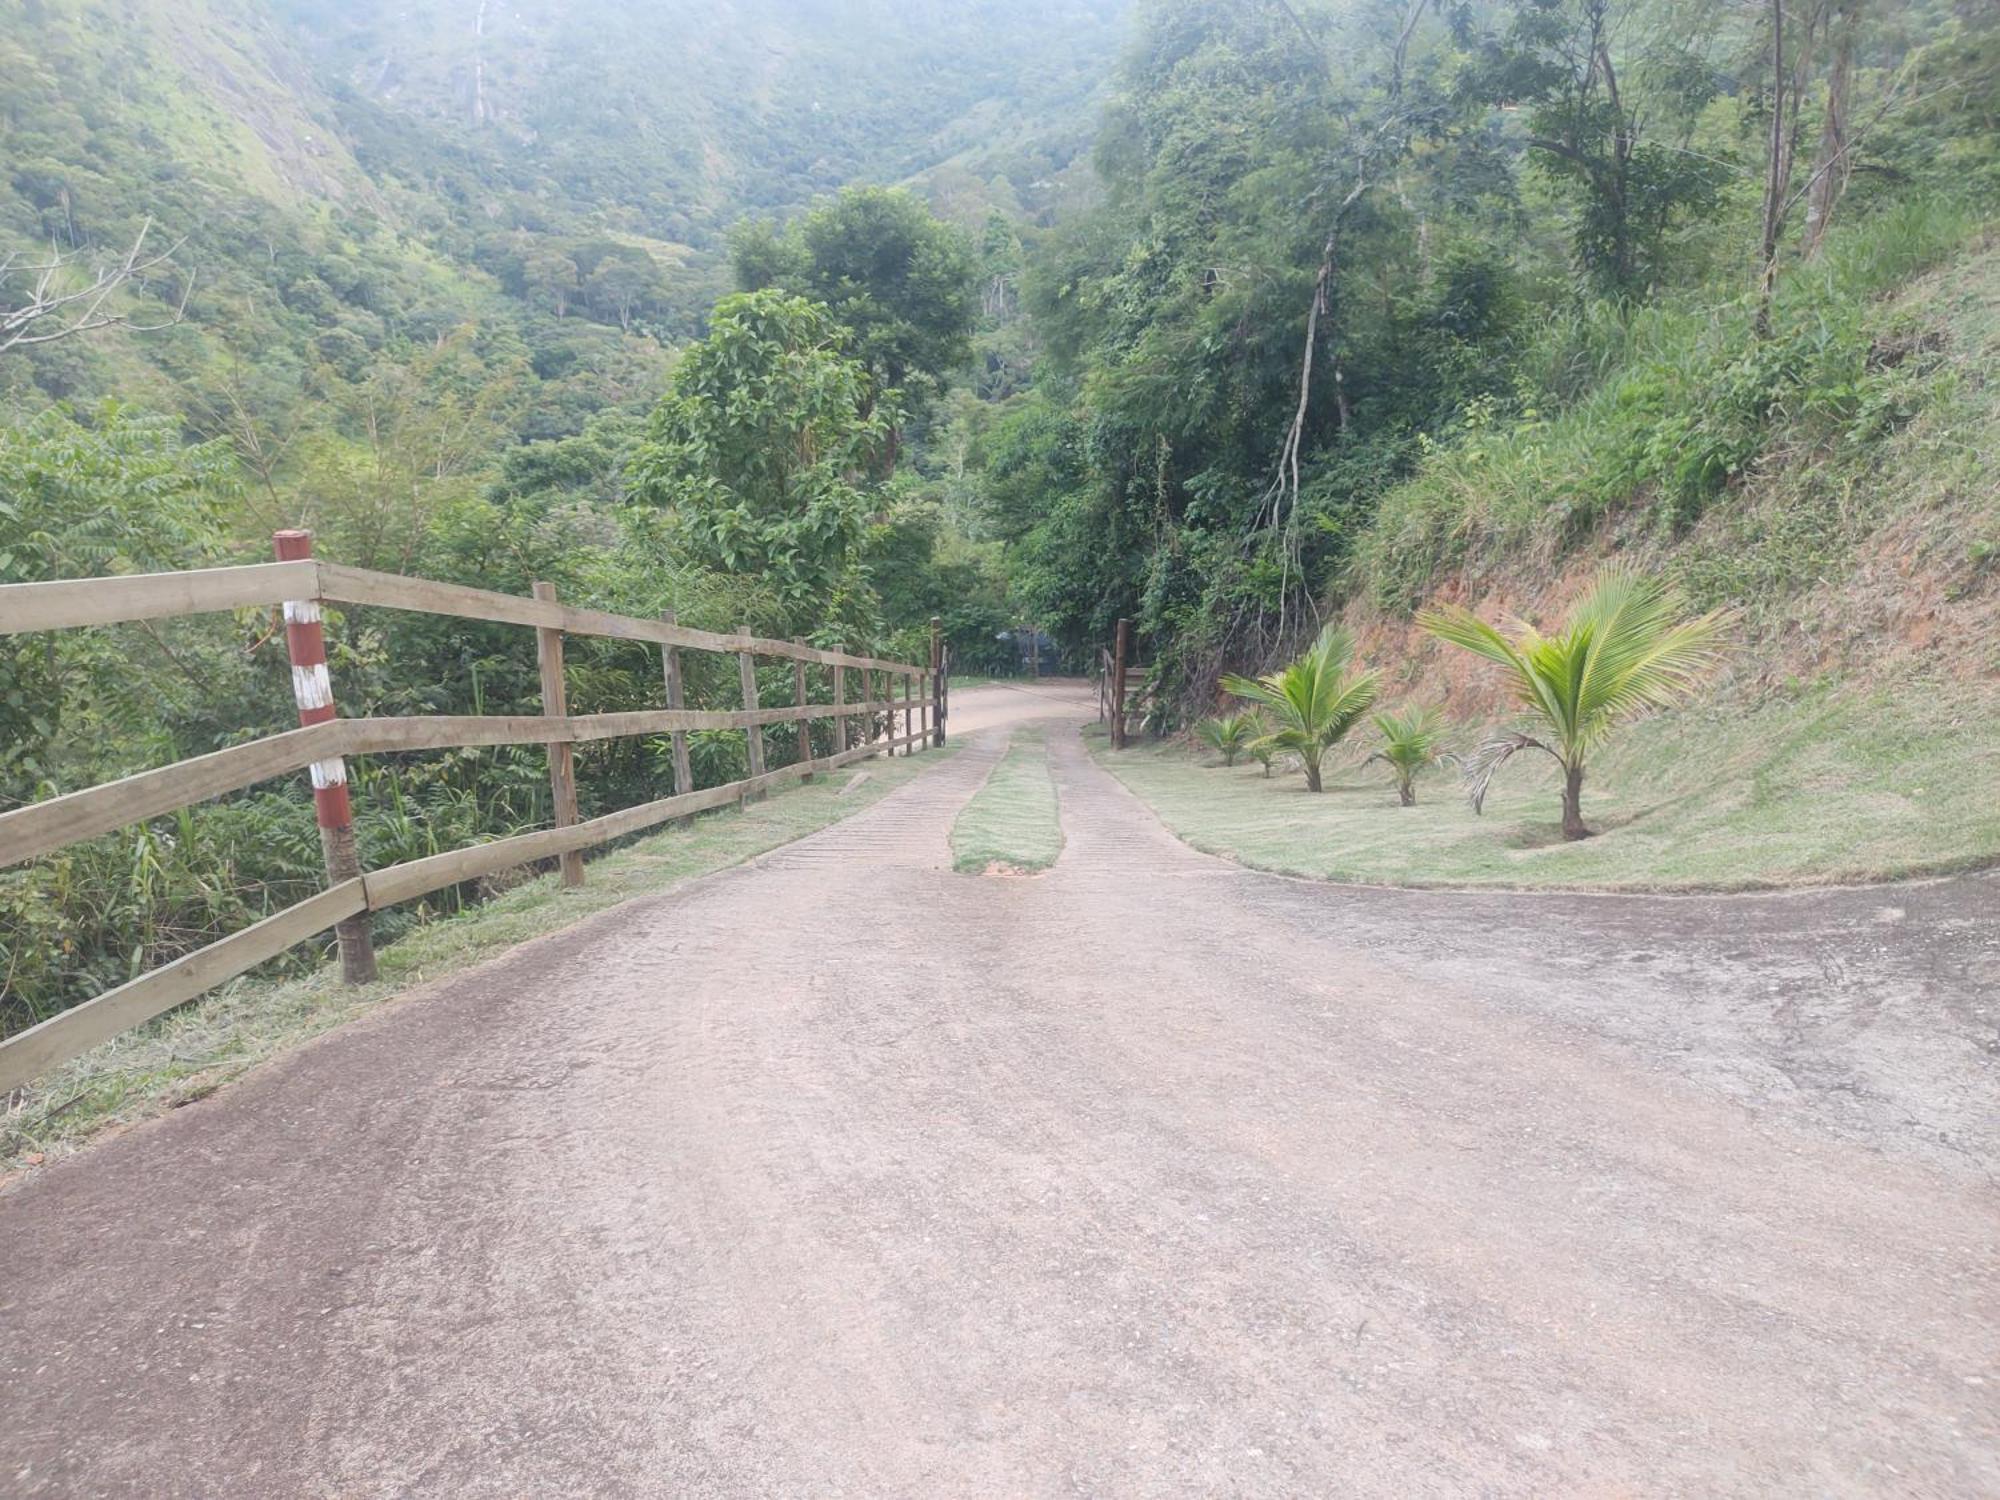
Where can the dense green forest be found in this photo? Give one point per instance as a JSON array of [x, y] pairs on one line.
[[1357, 268], [1224, 315]]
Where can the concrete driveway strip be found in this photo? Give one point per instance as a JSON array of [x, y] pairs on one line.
[[841, 1174]]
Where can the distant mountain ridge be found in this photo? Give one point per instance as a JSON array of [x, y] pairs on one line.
[[673, 118]]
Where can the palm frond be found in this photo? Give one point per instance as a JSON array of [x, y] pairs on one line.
[[1227, 734], [1409, 738], [1622, 651], [1478, 767], [1313, 701]]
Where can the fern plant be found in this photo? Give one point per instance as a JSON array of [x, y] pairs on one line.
[[1626, 649], [1229, 734], [1409, 747], [1314, 702]]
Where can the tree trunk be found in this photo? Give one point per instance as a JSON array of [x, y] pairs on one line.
[[1833, 164], [1787, 107], [1407, 793], [1312, 774], [1776, 178], [1573, 804]]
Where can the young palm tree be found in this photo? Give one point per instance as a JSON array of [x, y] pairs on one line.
[[1626, 649], [1409, 745], [1260, 747], [1313, 702], [1228, 734]]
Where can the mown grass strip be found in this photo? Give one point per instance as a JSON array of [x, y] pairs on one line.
[[1011, 825], [1818, 787], [193, 1050]]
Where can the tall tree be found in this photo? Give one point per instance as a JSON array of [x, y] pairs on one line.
[[757, 447], [1833, 163], [1792, 49], [898, 279], [1589, 132]]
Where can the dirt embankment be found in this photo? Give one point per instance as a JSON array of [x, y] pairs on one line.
[[1863, 574]]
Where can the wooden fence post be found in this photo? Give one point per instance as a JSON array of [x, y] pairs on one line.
[[677, 698], [312, 690], [746, 670], [799, 701], [937, 682], [1123, 650], [840, 708], [909, 714], [562, 756]]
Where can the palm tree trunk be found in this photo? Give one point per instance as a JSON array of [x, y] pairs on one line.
[[1311, 763], [1407, 793], [1573, 803]]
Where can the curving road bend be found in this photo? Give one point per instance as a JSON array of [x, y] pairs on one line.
[[842, 1174]]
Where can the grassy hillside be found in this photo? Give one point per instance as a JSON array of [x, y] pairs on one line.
[[1855, 732], [1835, 484]]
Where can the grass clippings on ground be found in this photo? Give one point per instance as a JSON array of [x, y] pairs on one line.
[[1820, 787], [1011, 826]]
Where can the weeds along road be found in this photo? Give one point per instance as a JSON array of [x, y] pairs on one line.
[[842, 1174]]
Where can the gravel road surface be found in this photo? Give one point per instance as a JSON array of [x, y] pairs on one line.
[[841, 1174]]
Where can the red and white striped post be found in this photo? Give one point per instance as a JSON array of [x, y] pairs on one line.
[[305, 639]]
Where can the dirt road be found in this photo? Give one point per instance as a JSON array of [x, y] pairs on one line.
[[840, 1174]]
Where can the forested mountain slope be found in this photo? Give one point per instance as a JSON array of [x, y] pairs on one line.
[[1380, 292], [673, 118], [423, 271], [349, 177]]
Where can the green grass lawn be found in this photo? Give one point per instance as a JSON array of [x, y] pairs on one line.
[[1011, 823], [190, 1051], [1822, 787]]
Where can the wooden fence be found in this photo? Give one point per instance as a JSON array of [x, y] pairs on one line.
[[300, 585]]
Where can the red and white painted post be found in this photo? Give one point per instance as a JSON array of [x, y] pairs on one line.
[[312, 688]]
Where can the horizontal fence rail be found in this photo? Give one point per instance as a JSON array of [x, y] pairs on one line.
[[68, 603], [300, 586], [43, 827]]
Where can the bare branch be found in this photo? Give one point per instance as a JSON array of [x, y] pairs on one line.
[[45, 311]]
